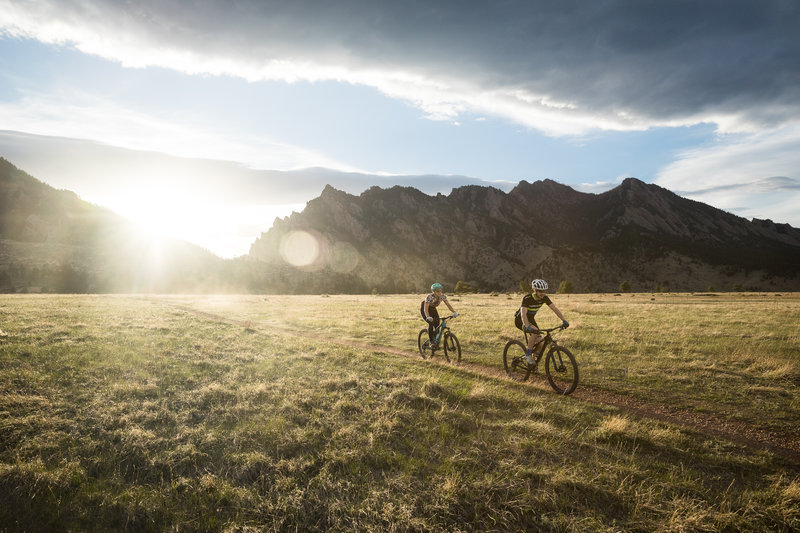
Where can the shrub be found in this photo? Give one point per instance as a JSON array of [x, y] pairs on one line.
[[462, 287]]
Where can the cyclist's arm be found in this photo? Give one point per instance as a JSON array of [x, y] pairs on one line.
[[523, 313], [447, 303], [427, 313], [557, 312]]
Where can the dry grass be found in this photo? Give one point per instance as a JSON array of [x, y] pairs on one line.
[[123, 414], [734, 355]]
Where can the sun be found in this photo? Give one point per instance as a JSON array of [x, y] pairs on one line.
[[165, 212]]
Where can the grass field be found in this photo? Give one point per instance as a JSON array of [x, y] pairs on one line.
[[135, 414]]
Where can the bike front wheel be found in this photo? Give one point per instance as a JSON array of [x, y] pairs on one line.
[[424, 350], [561, 370], [452, 348], [514, 361]]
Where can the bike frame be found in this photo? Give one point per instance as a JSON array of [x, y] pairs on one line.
[[547, 339], [440, 330]]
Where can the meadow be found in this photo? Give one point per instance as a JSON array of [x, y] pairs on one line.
[[216, 413]]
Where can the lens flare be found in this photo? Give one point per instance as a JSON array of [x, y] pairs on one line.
[[344, 257], [300, 248]]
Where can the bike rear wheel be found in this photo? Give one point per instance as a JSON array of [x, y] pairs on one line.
[[452, 348], [561, 370], [424, 350], [513, 361]]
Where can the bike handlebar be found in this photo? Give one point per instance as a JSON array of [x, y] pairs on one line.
[[447, 317], [549, 330]]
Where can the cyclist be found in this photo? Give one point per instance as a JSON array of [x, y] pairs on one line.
[[524, 317], [429, 313]]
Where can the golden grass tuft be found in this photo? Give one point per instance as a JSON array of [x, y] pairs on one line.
[[665, 436], [792, 492], [614, 425]]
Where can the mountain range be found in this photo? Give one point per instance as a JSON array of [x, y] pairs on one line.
[[401, 240]]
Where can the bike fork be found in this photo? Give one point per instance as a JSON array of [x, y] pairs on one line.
[[558, 361]]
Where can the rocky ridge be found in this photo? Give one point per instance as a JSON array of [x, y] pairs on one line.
[[403, 239]]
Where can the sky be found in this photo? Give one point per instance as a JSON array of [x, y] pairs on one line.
[[205, 120]]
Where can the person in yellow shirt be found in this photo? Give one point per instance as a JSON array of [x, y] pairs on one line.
[[525, 320]]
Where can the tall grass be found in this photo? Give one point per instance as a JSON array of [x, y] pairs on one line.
[[122, 414]]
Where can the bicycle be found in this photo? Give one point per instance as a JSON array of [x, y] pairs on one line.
[[450, 342], [560, 366]]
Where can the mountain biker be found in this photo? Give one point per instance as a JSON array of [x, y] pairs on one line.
[[428, 310], [524, 317]]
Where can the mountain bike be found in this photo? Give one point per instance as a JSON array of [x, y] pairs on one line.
[[448, 340], [559, 364]]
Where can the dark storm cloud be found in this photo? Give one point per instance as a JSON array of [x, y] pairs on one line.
[[644, 62], [660, 60]]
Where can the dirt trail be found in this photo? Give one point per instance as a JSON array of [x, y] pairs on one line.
[[786, 446]]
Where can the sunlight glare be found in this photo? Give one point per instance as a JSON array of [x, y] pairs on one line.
[[163, 211], [160, 211]]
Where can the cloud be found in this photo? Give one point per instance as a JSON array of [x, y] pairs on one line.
[[772, 184], [85, 116], [758, 170], [736, 159], [561, 67]]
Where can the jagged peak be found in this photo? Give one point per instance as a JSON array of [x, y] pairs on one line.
[[475, 191], [389, 192], [332, 194], [542, 185], [636, 187], [476, 188], [631, 182], [330, 190]]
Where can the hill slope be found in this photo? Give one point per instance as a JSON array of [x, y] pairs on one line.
[[52, 241]]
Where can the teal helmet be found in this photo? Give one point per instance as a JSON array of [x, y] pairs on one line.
[[436, 286]]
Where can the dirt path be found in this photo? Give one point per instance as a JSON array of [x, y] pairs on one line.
[[786, 446]]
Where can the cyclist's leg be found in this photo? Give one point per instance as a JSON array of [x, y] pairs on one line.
[[534, 340], [422, 314], [433, 325]]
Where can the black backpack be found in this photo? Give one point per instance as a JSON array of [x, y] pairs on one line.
[[518, 320]]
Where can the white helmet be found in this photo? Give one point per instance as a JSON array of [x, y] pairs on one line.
[[539, 284]]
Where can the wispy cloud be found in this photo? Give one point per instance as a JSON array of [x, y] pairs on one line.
[[765, 185], [91, 117], [736, 160], [754, 170]]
